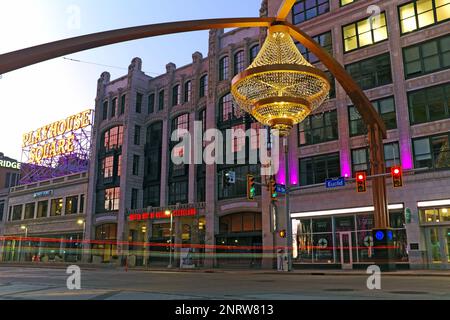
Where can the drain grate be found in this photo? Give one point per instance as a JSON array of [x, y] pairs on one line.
[[339, 290], [408, 292]]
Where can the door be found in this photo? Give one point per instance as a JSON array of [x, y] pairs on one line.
[[438, 240], [345, 240]]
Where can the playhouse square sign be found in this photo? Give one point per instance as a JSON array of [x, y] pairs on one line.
[[56, 138]]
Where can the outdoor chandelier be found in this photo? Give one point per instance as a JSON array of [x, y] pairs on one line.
[[280, 88]]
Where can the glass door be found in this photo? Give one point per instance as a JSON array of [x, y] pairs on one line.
[[346, 250], [447, 242], [438, 239]]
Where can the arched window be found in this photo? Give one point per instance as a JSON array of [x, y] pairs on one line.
[[176, 95], [224, 65], [113, 138], [226, 108], [239, 62]]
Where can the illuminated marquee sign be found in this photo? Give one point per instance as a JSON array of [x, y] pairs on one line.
[[55, 139], [162, 214]]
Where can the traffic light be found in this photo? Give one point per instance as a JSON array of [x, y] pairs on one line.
[[282, 233], [397, 176], [251, 191], [361, 182], [273, 190]]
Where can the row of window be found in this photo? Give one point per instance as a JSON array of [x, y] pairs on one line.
[[111, 112], [40, 209], [428, 152], [238, 62], [414, 15]]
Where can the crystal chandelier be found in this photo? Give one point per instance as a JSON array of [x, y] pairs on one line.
[[280, 88]]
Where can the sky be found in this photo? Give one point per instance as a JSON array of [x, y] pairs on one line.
[[50, 91]]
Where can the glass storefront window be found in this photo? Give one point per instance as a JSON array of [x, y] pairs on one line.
[[345, 223], [56, 207], [434, 215]]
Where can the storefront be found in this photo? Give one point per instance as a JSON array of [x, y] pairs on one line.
[[239, 242], [343, 237], [154, 235], [435, 224]]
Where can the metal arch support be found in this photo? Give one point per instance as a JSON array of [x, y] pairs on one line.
[[29, 56], [375, 125]]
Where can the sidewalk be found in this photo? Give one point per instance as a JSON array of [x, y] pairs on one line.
[[312, 272]]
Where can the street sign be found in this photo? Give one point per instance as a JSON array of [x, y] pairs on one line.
[[333, 183], [280, 188]]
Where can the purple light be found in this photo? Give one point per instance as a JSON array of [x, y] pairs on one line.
[[346, 168], [405, 155]]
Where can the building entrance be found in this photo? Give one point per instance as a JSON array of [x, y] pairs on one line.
[[438, 245]]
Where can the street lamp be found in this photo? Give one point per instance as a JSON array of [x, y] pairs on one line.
[[170, 213], [280, 89], [25, 228]]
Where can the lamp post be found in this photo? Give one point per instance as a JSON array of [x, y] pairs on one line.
[[82, 222], [170, 213], [25, 228]]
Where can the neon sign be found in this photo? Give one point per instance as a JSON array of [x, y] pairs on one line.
[[9, 164], [162, 214]]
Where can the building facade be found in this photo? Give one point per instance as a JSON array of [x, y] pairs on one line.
[[9, 177], [398, 52], [45, 220]]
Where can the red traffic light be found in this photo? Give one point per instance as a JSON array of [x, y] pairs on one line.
[[361, 182], [397, 176]]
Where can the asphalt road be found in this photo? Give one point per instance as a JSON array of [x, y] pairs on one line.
[[50, 284]]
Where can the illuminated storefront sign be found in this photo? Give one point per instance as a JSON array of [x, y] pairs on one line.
[[9, 164], [55, 139], [162, 214], [43, 194]]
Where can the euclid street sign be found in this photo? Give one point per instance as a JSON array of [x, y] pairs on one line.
[[334, 183]]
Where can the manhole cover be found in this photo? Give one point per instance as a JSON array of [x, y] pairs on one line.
[[339, 290], [408, 292]]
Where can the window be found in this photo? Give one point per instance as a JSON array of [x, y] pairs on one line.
[[137, 135], [105, 110], [324, 40], [432, 152], [152, 196], [114, 108], [227, 108], [429, 104], [122, 103], [2, 208], [372, 72], [203, 89], [11, 179], [82, 203], [178, 192], [238, 143], [161, 100], [385, 108], [427, 57], [423, 13], [71, 205], [107, 167], [239, 63], [240, 222], [151, 103], [16, 213], [307, 9], [119, 165], [361, 161], [239, 189], [42, 209], [188, 91], [318, 128], [332, 84], [139, 98], [365, 32], [176, 95], [106, 232], [29, 211], [135, 165], [112, 198], [224, 65], [254, 52], [56, 207], [134, 198], [113, 138], [346, 2], [317, 169]]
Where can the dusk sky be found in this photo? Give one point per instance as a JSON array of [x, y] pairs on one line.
[[40, 94]]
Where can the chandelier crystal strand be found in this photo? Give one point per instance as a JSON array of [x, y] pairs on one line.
[[280, 88]]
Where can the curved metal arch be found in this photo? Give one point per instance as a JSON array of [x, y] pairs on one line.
[[25, 57]]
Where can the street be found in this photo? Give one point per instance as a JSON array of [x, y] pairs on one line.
[[19, 283]]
